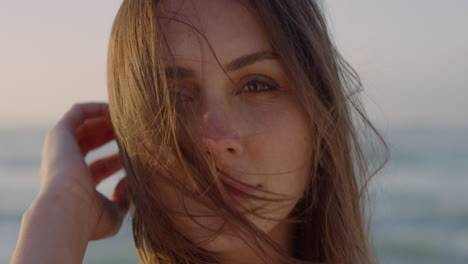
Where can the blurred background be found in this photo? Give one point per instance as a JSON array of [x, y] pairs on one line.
[[412, 57]]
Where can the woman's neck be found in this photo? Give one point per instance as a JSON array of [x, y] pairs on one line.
[[282, 234]]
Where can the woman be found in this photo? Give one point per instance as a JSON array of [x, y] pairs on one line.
[[237, 125]]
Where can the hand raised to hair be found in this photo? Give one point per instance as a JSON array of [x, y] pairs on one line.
[[64, 171]]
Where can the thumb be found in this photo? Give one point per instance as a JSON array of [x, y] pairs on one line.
[[112, 211]]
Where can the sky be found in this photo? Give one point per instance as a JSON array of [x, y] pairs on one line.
[[412, 57]]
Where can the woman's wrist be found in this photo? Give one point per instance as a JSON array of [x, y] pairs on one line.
[[52, 231]]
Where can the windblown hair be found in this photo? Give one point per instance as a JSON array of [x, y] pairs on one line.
[[333, 224]]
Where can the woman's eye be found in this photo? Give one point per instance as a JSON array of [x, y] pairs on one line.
[[259, 85]]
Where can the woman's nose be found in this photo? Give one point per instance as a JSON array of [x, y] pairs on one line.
[[219, 133]]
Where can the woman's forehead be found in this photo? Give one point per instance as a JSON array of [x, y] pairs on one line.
[[231, 29]]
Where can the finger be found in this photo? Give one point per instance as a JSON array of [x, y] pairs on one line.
[[82, 111], [112, 211], [91, 143], [120, 196], [103, 168], [94, 126], [94, 132], [92, 136], [110, 220]]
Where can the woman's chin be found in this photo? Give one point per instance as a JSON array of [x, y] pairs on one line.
[[224, 243]]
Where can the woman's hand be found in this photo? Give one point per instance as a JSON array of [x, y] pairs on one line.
[[64, 171], [69, 211]]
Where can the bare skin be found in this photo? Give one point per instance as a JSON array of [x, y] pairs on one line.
[[261, 138], [68, 207], [69, 211]]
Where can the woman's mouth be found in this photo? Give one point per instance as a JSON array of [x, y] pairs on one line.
[[232, 183]]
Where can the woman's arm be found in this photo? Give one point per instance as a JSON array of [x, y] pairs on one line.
[[69, 211], [53, 231]]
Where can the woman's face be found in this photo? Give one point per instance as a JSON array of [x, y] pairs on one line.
[[254, 128]]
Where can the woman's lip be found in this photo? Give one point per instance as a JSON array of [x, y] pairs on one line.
[[231, 181], [238, 185]]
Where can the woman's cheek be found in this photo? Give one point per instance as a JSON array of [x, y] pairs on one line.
[[283, 143]]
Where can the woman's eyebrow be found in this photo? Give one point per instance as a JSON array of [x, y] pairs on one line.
[[181, 72], [250, 59]]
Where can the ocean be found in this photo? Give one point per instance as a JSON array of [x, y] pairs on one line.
[[420, 209]]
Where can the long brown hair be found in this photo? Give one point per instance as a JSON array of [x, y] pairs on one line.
[[333, 225]]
